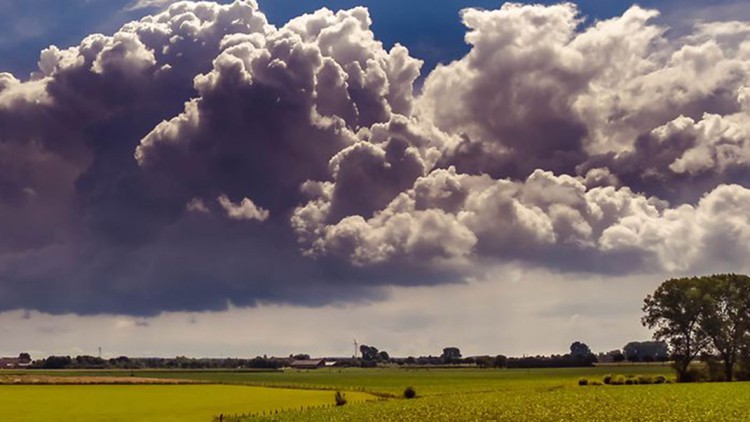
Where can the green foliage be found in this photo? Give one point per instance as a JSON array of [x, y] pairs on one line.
[[618, 380], [451, 355], [645, 379], [646, 351], [693, 374], [500, 361], [674, 311], [583, 382], [714, 370], [410, 393], [607, 379], [726, 318], [580, 350], [369, 353], [702, 314]]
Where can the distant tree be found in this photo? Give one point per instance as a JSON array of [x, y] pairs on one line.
[[500, 361], [618, 357], [483, 361], [24, 358], [632, 351], [451, 355], [675, 310], [383, 356], [56, 362], [580, 350], [646, 351], [369, 353], [726, 316], [301, 356]]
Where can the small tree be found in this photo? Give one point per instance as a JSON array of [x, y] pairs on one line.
[[500, 361], [580, 350], [451, 355], [369, 353]]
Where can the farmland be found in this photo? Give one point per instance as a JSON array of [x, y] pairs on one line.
[[674, 402], [443, 395], [115, 403]]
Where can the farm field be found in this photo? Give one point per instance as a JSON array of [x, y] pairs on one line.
[[466, 394], [673, 402], [128, 403], [390, 381]]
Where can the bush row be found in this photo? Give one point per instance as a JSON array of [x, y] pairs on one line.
[[626, 380]]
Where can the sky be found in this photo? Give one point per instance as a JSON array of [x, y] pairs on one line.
[[238, 179]]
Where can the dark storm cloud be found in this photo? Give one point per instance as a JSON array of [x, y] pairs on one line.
[[201, 157]]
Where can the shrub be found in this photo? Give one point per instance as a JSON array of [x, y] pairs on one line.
[[596, 383], [617, 380], [607, 379], [410, 393], [714, 371], [661, 379], [630, 381], [645, 379], [743, 370], [340, 398], [693, 374], [583, 382], [742, 375]]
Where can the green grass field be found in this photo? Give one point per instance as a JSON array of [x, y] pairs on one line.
[[673, 402], [183, 403], [443, 395], [391, 380]]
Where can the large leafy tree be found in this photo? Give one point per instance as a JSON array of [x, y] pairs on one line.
[[675, 310], [726, 316]]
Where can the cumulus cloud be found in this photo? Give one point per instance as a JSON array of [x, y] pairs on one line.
[[537, 92], [546, 220], [246, 210], [201, 156]]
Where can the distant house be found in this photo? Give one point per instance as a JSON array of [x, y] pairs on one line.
[[14, 363], [308, 364]]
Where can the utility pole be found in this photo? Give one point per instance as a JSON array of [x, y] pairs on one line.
[[356, 348]]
